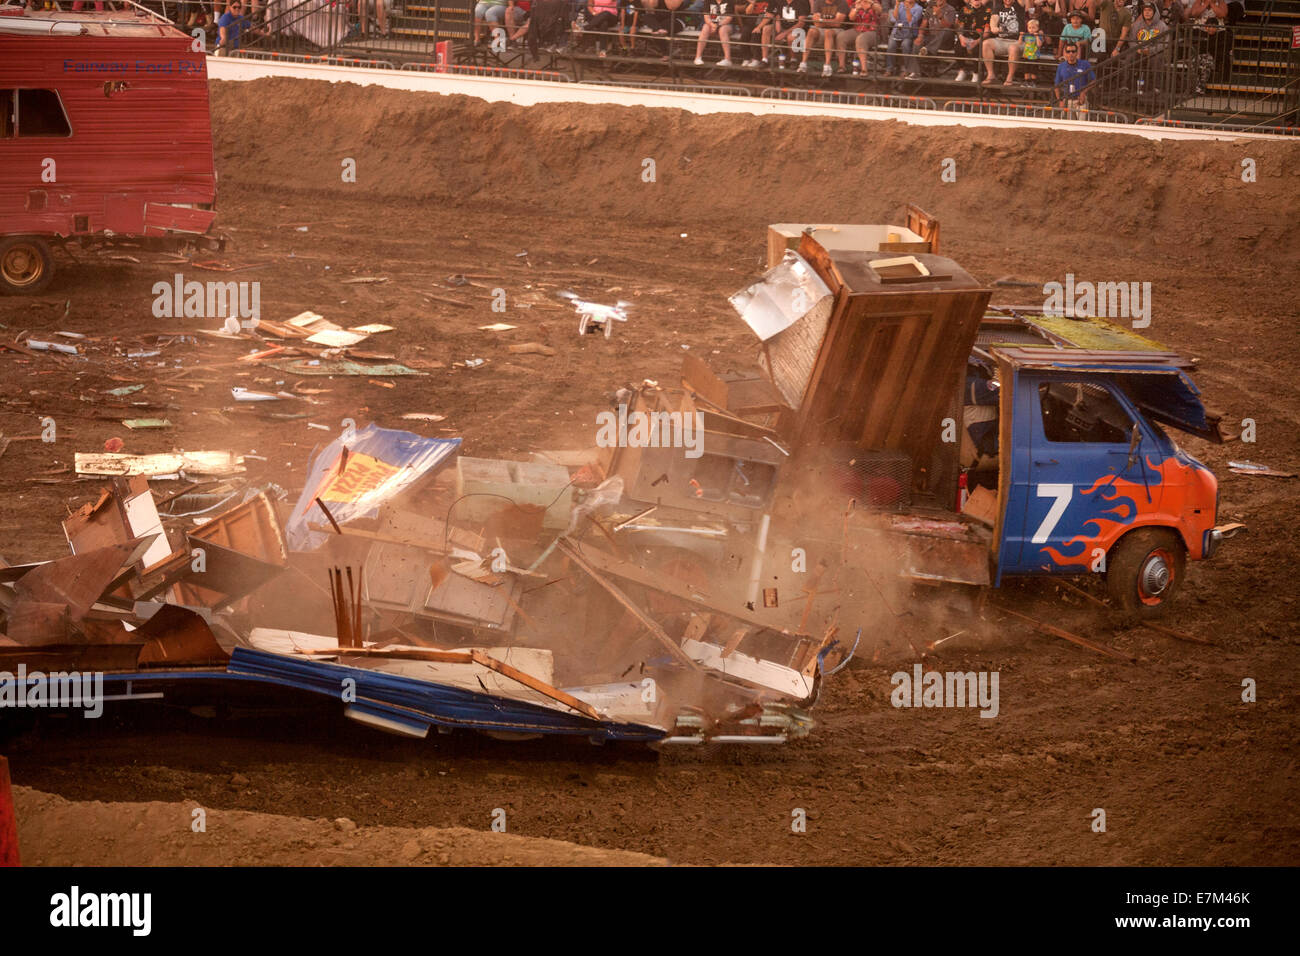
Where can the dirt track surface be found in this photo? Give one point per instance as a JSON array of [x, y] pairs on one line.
[[172, 834], [1187, 772]]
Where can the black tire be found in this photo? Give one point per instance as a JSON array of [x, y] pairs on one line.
[[1145, 570], [26, 265]]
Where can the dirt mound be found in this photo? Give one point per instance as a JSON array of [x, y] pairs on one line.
[[53, 831], [1112, 191]]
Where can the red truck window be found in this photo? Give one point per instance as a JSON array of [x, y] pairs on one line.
[[32, 113]]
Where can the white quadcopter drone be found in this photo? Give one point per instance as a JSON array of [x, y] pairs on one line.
[[593, 315]]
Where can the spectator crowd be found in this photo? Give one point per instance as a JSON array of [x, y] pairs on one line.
[[988, 42]]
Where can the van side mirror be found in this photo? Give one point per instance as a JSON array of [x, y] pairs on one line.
[[1135, 439]]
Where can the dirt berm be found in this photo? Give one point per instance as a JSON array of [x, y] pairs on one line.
[[1112, 191], [53, 831]]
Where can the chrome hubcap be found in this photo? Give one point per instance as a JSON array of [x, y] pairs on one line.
[[1155, 575]]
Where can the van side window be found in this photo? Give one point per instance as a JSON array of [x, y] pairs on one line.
[[32, 113], [1083, 412]]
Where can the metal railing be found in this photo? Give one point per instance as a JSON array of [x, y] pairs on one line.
[[1190, 71], [990, 108], [894, 100]]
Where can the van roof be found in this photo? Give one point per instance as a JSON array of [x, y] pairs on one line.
[[120, 23], [1033, 338]]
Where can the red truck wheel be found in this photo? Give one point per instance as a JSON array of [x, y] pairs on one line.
[[26, 266], [1145, 570]]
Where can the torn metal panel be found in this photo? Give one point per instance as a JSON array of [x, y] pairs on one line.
[[32, 623], [785, 294], [354, 478], [178, 636], [76, 583], [412, 700], [594, 558]]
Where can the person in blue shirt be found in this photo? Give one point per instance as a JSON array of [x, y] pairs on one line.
[[1072, 77], [230, 25], [906, 18]]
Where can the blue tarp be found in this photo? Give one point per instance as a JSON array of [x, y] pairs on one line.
[[379, 464], [414, 701]]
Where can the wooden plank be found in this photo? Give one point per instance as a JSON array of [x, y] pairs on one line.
[[1158, 628], [647, 622], [669, 585], [528, 680], [698, 377], [351, 532], [1067, 636], [473, 656]]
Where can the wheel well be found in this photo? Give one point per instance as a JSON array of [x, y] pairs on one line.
[[1173, 533]]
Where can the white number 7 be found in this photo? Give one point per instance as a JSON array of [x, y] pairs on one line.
[[1062, 494]]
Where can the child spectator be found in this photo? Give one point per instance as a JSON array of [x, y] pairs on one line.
[[1076, 33], [717, 20], [1035, 41], [828, 17], [1073, 75]]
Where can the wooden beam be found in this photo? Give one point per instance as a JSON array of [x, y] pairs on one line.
[[659, 634], [1158, 628], [472, 656], [1067, 636], [670, 585]]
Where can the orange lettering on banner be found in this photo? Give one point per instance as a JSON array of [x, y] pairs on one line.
[[362, 476]]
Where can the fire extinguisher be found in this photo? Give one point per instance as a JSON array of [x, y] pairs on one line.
[[962, 493]]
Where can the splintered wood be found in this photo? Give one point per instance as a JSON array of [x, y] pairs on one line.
[[347, 606]]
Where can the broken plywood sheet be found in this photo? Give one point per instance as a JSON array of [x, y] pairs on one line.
[[398, 579], [242, 549], [212, 463], [738, 666]]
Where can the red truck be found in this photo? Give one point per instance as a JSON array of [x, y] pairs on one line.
[[105, 138]]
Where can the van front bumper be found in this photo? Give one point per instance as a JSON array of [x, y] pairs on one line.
[[1216, 536]]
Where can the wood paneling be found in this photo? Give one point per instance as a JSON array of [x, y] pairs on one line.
[[893, 354]]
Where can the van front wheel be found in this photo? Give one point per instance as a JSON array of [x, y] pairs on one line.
[[1145, 571], [26, 265]]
